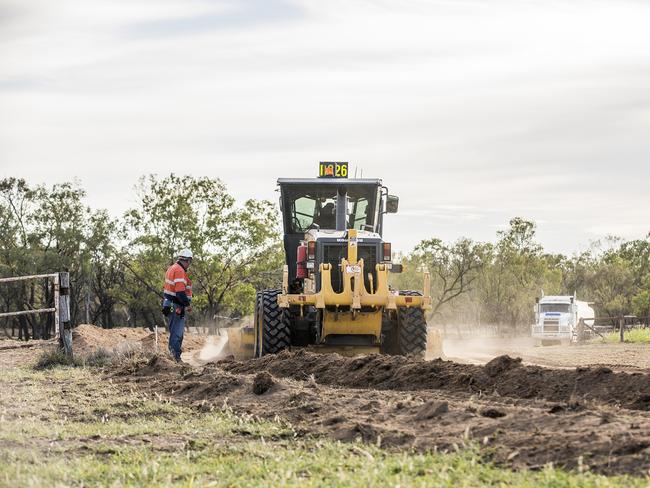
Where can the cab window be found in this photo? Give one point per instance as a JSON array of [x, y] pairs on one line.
[[554, 307], [312, 206], [359, 213]]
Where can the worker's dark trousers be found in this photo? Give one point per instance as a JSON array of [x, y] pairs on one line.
[[176, 328]]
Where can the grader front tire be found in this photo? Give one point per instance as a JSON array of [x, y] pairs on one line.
[[272, 323], [412, 329]]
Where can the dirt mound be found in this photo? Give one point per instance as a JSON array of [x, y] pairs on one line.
[[516, 432], [159, 364], [500, 365], [148, 368], [503, 376], [190, 342], [87, 338]]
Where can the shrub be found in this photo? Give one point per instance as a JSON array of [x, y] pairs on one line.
[[52, 358], [99, 357]]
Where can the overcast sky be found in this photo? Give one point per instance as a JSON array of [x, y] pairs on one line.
[[471, 111]]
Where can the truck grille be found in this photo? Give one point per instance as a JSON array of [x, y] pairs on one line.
[[552, 325]]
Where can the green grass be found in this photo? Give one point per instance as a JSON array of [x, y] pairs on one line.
[[639, 336], [263, 463], [67, 427]]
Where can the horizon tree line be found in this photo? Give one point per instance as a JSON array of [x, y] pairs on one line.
[[116, 264]]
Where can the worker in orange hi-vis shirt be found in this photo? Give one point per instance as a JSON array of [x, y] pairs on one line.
[[177, 299]]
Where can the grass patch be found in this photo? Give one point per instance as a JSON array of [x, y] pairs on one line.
[[71, 427], [52, 358], [288, 463], [637, 336]]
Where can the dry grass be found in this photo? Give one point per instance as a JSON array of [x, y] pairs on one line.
[[123, 355]]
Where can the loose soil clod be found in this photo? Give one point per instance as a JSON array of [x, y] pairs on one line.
[[262, 383], [432, 409], [492, 413]]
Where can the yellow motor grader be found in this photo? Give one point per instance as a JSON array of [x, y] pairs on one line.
[[335, 294]]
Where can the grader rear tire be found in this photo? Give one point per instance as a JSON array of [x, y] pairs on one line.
[[412, 329], [273, 324]]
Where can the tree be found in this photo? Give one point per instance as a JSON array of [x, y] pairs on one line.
[[235, 247], [454, 267], [517, 274], [116, 266], [45, 235]]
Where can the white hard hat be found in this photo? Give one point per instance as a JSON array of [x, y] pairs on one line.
[[185, 254]]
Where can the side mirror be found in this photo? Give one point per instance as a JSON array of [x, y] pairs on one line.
[[392, 203]]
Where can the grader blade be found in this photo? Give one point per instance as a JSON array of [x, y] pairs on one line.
[[241, 341]]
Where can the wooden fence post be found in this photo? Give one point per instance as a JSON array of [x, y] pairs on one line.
[[57, 331], [621, 326], [65, 337], [581, 330]]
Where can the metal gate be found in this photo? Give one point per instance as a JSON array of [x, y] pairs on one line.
[[61, 308]]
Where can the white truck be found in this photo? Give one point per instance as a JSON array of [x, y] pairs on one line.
[[557, 319]]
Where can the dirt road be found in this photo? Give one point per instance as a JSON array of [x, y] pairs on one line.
[[619, 357]]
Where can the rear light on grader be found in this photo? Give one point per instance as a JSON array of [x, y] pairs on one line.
[[386, 251], [311, 250]]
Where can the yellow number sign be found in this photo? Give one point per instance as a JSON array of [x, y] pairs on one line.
[[333, 170]]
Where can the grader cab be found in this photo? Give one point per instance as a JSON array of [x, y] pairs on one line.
[[335, 294]]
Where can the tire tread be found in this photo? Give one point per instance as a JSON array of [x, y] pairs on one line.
[[412, 330], [276, 334]]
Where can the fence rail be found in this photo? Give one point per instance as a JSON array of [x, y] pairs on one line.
[[28, 312], [31, 277], [622, 322]]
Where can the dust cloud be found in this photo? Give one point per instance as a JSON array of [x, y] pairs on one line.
[[215, 348], [480, 350], [217, 345]]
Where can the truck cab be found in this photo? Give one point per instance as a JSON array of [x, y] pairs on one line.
[[557, 318]]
